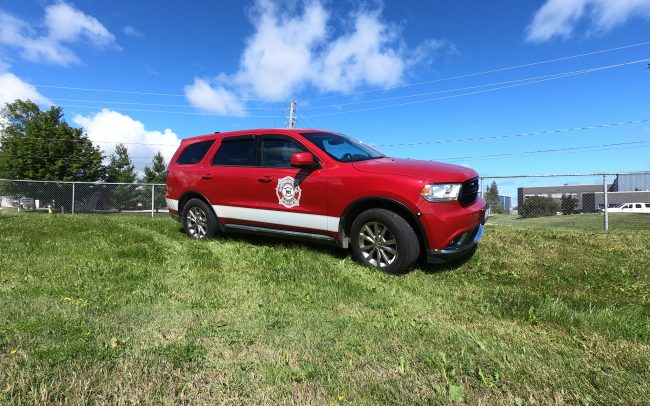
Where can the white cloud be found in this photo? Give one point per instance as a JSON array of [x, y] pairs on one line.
[[132, 32], [291, 51], [279, 57], [63, 25], [213, 99], [363, 56], [111, 128], [558, 18], [12, 88]]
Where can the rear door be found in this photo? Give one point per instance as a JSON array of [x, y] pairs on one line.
[[291, 198], [230, 181]]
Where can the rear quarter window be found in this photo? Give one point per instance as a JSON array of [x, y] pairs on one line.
[[194, 153]]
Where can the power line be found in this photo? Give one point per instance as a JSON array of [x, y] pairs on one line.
[[405, 144], [502, 69], [144, 104], [541, 151], [470, 93], [68, 158], [526, 65], [556, 75], [497, 137], [542, 79], [552, 76], [193, 113], [87, 89], [4, 140]]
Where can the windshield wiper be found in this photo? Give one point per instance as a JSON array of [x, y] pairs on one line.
[[367, 158]]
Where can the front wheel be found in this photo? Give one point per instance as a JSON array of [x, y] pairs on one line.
[[383, 239], [199, 220]]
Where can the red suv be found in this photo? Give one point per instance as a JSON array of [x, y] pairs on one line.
[[328, 187]]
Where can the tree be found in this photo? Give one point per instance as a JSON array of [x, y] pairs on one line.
[[568, 204], [120, 169], [538, 206], [40, 145], [492, 198], [158, 171]]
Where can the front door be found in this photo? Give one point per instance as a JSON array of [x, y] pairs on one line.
[[291, 198]]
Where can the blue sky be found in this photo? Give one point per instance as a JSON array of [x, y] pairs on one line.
[[219, 66]]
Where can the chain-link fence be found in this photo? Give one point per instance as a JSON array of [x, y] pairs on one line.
[[82, 197], [586, 201], [591, 201]]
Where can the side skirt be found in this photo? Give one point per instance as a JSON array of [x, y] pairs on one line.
[[282, 233]]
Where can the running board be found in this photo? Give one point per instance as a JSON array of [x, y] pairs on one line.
[[273, 231]]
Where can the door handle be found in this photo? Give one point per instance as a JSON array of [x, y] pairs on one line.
[[206, 177], [265, 179]]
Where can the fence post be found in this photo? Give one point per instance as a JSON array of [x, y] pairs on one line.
[[480, 186], [606, 208], [73, 197], [152, 199]]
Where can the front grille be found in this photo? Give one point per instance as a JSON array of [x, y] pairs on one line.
[[468, 192]]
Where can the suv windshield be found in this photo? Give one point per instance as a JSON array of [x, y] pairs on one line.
[[342, 148]]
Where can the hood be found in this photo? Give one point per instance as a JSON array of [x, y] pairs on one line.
[[426, 170]]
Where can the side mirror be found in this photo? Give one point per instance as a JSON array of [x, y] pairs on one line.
[[302, 159]]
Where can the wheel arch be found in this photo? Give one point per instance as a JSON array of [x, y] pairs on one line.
[[366, 203], [187, 196]]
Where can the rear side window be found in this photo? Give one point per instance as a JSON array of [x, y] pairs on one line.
[[236, 152], [193, 153]]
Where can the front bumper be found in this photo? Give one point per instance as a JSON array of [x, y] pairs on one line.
[[459, 247]]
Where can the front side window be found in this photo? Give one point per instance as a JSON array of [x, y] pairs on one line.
[[194, 153], [236, 152], [342, 148], [277, 152]]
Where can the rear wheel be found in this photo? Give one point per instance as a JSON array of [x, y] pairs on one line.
[[199, 220], [382, 239]]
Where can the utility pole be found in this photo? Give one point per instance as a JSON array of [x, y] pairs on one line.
[[292, 113]]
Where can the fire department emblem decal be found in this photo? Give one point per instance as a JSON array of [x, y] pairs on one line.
[[288, 192]]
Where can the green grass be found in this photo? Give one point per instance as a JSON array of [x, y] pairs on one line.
[[116, 309], [624, 222]]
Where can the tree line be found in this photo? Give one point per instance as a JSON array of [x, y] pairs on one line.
[[39, 144]]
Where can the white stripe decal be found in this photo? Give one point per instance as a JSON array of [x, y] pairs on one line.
[[172, 204], [285, 218]]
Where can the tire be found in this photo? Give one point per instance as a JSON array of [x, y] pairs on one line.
[[391, 255], [199, 221]]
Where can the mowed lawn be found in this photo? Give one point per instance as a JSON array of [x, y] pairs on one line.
[[127, 310]]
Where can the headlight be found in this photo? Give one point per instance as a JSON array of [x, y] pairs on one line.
[[440, 192]]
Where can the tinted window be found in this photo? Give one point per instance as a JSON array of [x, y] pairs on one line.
[[638, 206], [342, 148], [236, 152], [277, 152], [193, 153], [647, 205]]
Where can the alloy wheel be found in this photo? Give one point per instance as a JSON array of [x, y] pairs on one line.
[[197, 222], [377, 244]]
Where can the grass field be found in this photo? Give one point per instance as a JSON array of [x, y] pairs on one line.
[[592, 222], [127, 310]]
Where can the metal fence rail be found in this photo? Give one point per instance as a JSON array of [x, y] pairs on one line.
[[83, 197]]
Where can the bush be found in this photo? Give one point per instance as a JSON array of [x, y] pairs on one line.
[[538, 206]]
